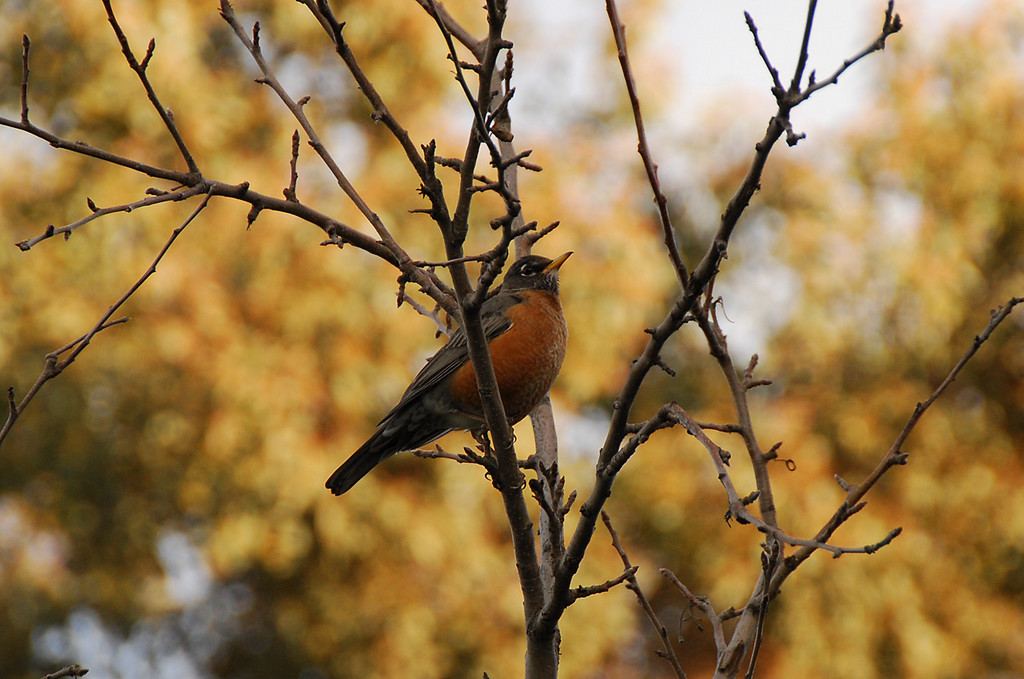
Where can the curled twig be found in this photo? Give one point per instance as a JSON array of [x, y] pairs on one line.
[[702, 604]]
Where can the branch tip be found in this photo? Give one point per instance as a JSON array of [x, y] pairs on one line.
[[25, 45]]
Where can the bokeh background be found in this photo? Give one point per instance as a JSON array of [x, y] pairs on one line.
[[162, 510]]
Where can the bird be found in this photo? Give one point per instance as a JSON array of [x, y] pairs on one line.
[[526, 335]]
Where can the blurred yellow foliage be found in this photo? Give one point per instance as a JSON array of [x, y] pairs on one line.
[[255, 361]]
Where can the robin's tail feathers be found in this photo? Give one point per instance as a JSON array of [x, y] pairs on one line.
[[356, 467], [384, 443]]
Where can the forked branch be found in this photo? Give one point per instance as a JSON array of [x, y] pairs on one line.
[[140, 69], [895, 456]]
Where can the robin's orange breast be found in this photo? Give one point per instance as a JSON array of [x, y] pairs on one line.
[[526, 357]]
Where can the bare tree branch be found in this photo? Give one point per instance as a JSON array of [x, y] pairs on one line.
[[546, 578], [437, 10], [140, 69], [54, 366], [253, 46], [777, 88], [156, 197], [666, 644], [716, 342], [613, 454], [894, 456], [69, 671], [26, 44], [86, 149], [293, 168], [770, 556], [606, 586], [201, 185], [891, 24], [702, 604], [619, 32], [321, 11], [801, 62]]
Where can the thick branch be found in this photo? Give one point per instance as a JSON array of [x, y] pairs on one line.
[[69, 671]]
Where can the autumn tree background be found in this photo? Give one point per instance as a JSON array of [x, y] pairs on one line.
[[161, 502]]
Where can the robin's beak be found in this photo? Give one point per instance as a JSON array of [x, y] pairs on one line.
[[553, 266]]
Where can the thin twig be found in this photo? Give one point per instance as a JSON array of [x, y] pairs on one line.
[[50, 370], [484, 109], [891, 24], [439, 453], [433, 286], [703, 604], [438, 11], [770, 556], [321, 11], [252, 44], [606, 586], [777, 88], [532, 238], [331, 226], [140, 69], [801, 63], [80, 346], [55, 366], [153, 199], [442, 329], [894, 456], [716, 341], [666, 643], [451, 262], [738, 507], [176, 176], [293, 169], [619, 31], [25, 45]]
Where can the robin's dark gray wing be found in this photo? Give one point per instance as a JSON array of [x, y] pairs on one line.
[[455, 353]]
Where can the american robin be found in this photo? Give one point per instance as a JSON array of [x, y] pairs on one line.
[[526, 335]]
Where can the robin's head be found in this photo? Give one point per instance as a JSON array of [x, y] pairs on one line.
[[534, 273]]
